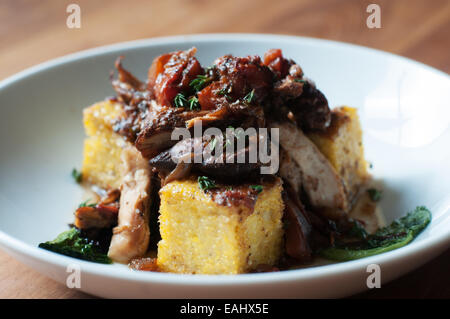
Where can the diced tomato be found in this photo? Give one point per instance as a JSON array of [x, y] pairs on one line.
[[276, 62], [171, 74], [210, 97]]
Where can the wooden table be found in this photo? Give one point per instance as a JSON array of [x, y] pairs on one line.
[[34, 31]]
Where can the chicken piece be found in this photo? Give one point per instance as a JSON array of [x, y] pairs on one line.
[[228, 168], [158, 127], [126, 85], [100, 216], [289, 88], [131, 236], [234, 78], [342, 145], [319, 179], [290, 171], [310, 109]]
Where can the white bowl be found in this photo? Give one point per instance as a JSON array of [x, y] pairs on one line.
[[405, 113]]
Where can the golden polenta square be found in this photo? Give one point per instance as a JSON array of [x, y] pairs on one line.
[[102, 164], [342, 145], [201, 236]]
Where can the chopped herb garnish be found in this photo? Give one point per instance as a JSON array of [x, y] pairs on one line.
[[85, 204], [180, 100], [213, 143], [199, 82], [205, 183], [193, 103], [249, 97], [226, 144], [224, 92], [300, 81], [258, 188], [71, 243], [77, 176], [374, 194], [400, 233]]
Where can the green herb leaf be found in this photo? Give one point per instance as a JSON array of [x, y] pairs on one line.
[[199, 82], [77, 176], [193, 103], [70, 243], [400, 233], [258, 188], [225, 92], [300, 81], [180, 100], [375, 194], [249, 97], [213, 143], [85, 204], [205, 183], [226, 144]]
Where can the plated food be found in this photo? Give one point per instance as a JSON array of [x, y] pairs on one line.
[[405, 132], [282, 179]]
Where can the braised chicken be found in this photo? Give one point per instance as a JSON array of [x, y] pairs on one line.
[[131, 235]]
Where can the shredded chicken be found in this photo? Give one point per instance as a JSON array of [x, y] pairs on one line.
[[101, 215], [131, 236], [319, 179]]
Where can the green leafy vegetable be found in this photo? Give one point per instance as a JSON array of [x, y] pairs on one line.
[[358, 230], [258, 188], [205, 183], [400, 233], [374, 194], [180, 100], [249, 97], [77, 176], [71, 243], [199, 82]]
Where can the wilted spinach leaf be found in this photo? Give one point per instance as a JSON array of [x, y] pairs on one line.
[[71, 243], [401, 232]]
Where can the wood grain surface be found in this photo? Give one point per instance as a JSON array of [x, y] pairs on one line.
[[35, 31]]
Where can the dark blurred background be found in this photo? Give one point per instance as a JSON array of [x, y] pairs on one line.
[[33, 31]]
